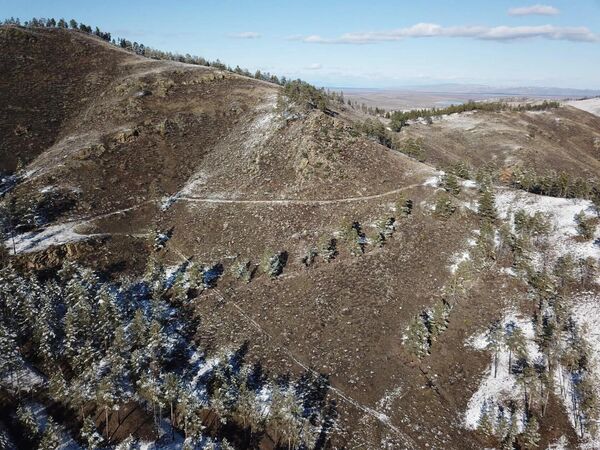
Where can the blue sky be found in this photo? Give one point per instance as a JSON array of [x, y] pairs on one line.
[[360, 43]]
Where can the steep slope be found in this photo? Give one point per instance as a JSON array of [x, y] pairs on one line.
[[43, 89]]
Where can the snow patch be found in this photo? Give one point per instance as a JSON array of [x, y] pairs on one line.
[[494, 390], [434, 180], [562, 212], [35, 241]]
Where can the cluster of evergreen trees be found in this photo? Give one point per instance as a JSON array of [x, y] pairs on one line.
[[103, 345], [552, 183], [375, 130], [60, 23], [306, 95], [565, 363], [399, 119], [426, 328]]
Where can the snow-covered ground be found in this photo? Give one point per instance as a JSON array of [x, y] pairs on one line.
[[25, 379], [462, 256], [35, 241], [561, 211], [435, 180], [586, 308], [494, 391], [467, 121], [586, 312], [591, 105]]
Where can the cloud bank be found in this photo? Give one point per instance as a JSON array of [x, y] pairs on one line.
[[315, 66], [424, 30], [245, 35], [534, 10]]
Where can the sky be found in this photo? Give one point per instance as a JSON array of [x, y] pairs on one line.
[[362, 43]]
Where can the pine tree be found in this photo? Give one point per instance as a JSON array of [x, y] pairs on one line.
[[438, 319], [531, 437], [10, 359], [105, 398], [487, 204], [485, 425], [58, 387], [89, 434], [510, 437], [246, 409], [494, 336], [27, 420], [417, 337], [171, 394], [138, 330], [44, 335], [451, 184], [515, 341], [5, 443], [485, 244], [586, 227], [155, 343], [50, 439], [444, 207], [108, 318], [285, 418]]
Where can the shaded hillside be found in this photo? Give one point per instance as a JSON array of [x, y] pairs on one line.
[[48, 76]]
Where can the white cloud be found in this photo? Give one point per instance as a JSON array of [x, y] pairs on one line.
[[534, 10], [245, 35], [421, 30], [315, 66]]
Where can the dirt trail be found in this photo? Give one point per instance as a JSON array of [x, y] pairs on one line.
[[299, 201]]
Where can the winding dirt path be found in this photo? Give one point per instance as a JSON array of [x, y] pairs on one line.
[[297, 201]]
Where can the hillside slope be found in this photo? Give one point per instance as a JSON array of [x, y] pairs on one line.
[[564, 139], [129, 159]]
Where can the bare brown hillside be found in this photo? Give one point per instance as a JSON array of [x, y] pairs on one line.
[[563, 139]]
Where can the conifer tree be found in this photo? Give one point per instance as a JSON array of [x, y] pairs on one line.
[[417, 337], [485, 425], [451, 184], [285, 418], [10, 359], [105, 398], [58, 386], [530, 437], [50, 438], [586, 227], [27, 420], [438, 319], [515, 341], [90, 435], [5, 443], [494, 336], [171, 394], [444, 207], [108, 318], [138, 330], [510, 437], [487, 204]]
